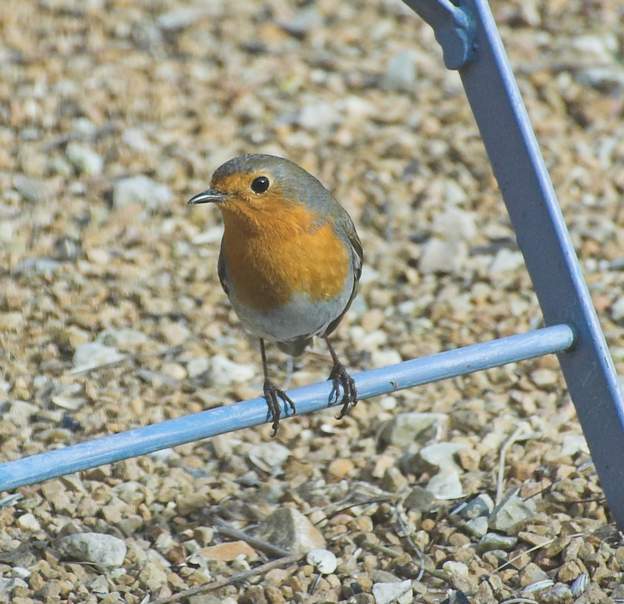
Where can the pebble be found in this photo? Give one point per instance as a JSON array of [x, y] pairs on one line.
[[617, 309], [341, 468], [506, 261], [457, 222], [492, 541], [226, 552], [399, 592], [511, 513], [84, 159], [446, 484], [223, 371], [28, 522], [477, 527], [407, 428], [480, 505], [97, 548], [288, 528], [323, 561], [419, 499], [401, 72], [559, 592], [93, 354], [269, 457], [141, 190], [442, 256]]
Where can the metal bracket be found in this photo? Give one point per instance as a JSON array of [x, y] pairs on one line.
[[453, 26]]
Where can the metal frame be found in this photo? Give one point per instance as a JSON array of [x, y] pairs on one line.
[[470, 43]]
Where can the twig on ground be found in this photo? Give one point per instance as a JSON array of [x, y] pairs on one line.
[[519, 434], [258, 570], [264, 546]]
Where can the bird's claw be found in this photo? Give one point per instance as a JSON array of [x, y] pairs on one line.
[[272, 394], [340, 377]]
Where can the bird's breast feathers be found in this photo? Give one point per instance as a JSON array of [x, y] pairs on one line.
[[266, 270]]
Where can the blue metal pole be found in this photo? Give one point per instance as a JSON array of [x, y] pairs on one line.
[[253, 412], [542, 237]]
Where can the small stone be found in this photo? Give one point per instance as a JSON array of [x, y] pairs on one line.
[[7, 586], [318, 116], [407, 428], [446, 485], [269, 457], [141, 190], [401, 72], [573, 444], [224, 372], [511, 513], [226, 552], [441, 455], [340, 468], [443, 256], [544, 377], [455, 568], [559, 592], [617, 310], [96, 548], [506, 261], [454, 222], [125, 338], [99, 585], [419, 499], [477, 527], [198, 366], [323, 561], [290, 529], [31, 189], [492, 541], [84, 159], [532, 573], [20, 412], [153, 576], [93, 354], [28, 522], [304, 21], [181, 18], [37, 266], [393, 481], [480, 505], [399, 592]]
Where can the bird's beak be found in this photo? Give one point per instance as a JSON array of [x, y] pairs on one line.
[[208, 196]]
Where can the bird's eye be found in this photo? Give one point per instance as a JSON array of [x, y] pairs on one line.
[[260, 184]]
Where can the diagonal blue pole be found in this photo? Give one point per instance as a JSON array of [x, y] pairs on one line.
[[246, 414], [541, 233]]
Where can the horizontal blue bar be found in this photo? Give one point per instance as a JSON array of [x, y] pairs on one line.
[[308, 399]]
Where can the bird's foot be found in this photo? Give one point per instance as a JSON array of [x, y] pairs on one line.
[[272, 394], [341, 378]]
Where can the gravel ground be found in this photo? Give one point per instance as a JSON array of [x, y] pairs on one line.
[[112, 113]]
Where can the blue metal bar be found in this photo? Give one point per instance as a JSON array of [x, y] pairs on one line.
[[548, 252], [253, 412], [453, 28]]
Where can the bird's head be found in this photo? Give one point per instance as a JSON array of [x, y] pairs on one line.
[[253, 188]]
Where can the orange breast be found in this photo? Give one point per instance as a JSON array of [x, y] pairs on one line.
[[286, 256]]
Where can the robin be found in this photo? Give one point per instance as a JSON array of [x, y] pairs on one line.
[[290, 261]]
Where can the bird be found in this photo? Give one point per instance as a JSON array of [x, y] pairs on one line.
[[290, 262]]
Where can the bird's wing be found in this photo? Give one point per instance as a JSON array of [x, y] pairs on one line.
[[345, 224], [221, 271]]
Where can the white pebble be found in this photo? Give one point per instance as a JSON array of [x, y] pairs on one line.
[[323, 560]]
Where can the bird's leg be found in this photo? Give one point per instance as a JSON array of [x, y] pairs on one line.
[[272, 393], [340, 377]]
